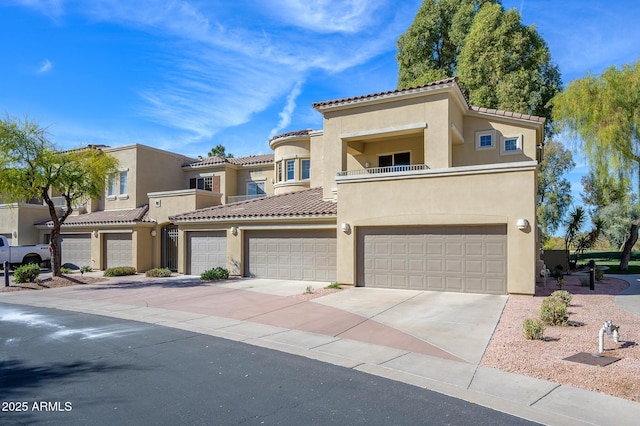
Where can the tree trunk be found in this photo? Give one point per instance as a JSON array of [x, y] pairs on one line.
[[56, 253], [628, 246]]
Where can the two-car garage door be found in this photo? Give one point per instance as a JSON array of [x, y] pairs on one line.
[[442, 258]]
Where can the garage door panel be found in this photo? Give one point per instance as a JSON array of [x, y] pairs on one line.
[[298, 255], [449, 258], [207, 250], [118, 250], [76, 250]]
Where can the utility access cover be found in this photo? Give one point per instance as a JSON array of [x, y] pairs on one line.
[[592, 359]]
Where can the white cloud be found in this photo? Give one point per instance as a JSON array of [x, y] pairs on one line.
[[287, 112], [215, 70], [326, 16], [45, 67]]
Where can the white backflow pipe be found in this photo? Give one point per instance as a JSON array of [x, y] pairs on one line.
[[612, 331]]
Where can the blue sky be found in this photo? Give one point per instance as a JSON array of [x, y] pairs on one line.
[[188, 75]]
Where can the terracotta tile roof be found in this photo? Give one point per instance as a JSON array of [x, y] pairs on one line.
[[447, 81], [508, 114], [308, 202], [290, 134], [240, 161], [106, 217]]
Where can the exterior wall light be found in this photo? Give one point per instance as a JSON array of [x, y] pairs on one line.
[[234, 230], [522, 224], [95, 233], [153, 233], [346, 228]]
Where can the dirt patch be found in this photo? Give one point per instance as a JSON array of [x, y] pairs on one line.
[[509, 351], [52, 282]]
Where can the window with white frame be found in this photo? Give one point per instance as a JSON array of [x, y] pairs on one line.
[[397, 159], [123, 182], [205, 183], [511, 145], [485, 139], [305, 169], [255, 189], [111, 185], [291, 169]]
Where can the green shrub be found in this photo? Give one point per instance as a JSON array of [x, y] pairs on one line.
[[218, 273], [533, 329], [309, 290], [120, 271], [554, 311], [563, 295], [85, 268], [599, 274], [26, 273], [334, 286], [158, 273], [64, 270]]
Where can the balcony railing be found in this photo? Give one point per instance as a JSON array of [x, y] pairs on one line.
[[381, 170], [236, 198]]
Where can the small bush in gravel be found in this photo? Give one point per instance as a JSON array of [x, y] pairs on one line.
[[120, 271], [26, 273], [599, 274], [218, 273], [584, 282], [533, 329], [554, 311], [64, 270], [335, 286], [158, 273], [563, 295], [85, 268]]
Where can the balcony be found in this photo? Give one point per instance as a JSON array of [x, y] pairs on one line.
[[376, 173]]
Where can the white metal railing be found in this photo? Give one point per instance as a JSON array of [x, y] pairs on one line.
[[236, 198], [380, 170]]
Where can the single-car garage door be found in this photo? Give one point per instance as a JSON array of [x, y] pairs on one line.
[[76, 250], [308, 255], [469, 259], [206, 250], [118, 250]]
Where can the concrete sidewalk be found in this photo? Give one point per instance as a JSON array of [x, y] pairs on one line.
[[429, 339]]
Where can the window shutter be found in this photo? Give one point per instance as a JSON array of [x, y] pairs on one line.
[[216, 184], [192, 183]]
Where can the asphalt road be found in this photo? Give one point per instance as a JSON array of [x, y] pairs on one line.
[[59, 367]]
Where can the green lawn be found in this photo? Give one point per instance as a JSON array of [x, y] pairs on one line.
[[612, 260]]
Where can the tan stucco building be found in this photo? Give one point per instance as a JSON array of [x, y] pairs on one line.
[[407, 189]]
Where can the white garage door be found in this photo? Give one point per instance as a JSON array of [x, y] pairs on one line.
[[469, 259], [206, 250], [292, 255], [76, 250], [118, 250]]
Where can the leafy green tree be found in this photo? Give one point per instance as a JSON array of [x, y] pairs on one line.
[[219, 151], [599, 192], [500, 62], [617, 219], [507, 65], [429, 50], [554, 190], [32, 167], [603, 114]]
